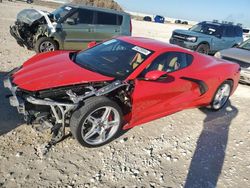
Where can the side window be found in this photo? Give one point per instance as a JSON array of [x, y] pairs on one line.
[[104, 18], [229, 31], [170, 62], [85, 16], [238, 31], [74, 16], [82, 16]]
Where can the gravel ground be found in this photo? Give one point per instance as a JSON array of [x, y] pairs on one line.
[[192, 148]]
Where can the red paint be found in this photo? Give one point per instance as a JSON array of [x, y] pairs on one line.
[[54, 69], [150, 99]]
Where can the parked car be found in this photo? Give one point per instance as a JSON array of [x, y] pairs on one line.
[[177, 21], [27, 1], [184, 23], [208, 37], [147, 18], [240, 55], [69, 27], [115, 85], [159, 19]]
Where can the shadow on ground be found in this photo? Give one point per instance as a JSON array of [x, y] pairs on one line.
[[208, 158], [9, 117]]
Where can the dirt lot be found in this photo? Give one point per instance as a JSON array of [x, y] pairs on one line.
[[192, 148]]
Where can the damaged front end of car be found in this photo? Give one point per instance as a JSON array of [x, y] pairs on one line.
[[53, 108], [30, 25]]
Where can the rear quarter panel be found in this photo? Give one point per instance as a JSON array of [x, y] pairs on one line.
[[125, 27], [214, 72]]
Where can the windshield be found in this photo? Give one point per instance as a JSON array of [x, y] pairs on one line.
[[61, 12], [208, 29], [245, 45], [113, 58]]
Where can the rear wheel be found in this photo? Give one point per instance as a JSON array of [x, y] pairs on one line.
[[96, 123], [221, 96], [202, 48], [45, 44]]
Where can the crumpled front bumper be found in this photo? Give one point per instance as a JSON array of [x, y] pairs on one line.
[[14, 100], [19, 102], [15, 33]]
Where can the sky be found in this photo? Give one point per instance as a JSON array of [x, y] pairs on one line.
[[237, 11]]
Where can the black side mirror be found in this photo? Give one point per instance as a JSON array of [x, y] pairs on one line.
[[70, 21]]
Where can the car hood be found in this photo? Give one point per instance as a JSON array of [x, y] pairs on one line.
[[28, 16], [51, 70], [237, 54], [189, 33]]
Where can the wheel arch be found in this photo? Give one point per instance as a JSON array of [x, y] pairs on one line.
[[54, 38], [204, 42]]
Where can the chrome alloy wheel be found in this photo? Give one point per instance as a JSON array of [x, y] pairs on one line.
[[100, 125], [222, 96], [47, 46]]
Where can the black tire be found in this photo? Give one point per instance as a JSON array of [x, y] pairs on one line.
[[79, 117], [40, 45], [213, 105], [203, 48]]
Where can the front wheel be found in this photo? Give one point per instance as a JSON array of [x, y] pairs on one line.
[[221, 96], [96, 123], [45, 44], [202, 48]]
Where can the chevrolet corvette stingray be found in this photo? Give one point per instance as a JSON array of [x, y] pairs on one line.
[[116, 85]]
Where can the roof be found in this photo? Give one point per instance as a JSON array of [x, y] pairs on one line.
[[147, 43], [96, 8], [221, 24]]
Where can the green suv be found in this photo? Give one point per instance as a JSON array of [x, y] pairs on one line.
[[208, 37], [70, 27]]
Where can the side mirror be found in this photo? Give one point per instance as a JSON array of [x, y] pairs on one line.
[[91, 44], [70, 21], [155, 75]]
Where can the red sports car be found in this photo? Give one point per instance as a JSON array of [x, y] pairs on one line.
[[115, 85]]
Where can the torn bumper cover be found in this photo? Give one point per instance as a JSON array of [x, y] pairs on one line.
[[19, 102], [14, 100]]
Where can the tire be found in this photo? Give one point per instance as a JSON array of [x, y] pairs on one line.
[[45, 44], [89, 126], [202, 48], [218, 102]]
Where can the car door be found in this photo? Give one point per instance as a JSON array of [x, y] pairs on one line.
[[218, 42], [228, 37], [107, 25], [154, 99], [78, 33]]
